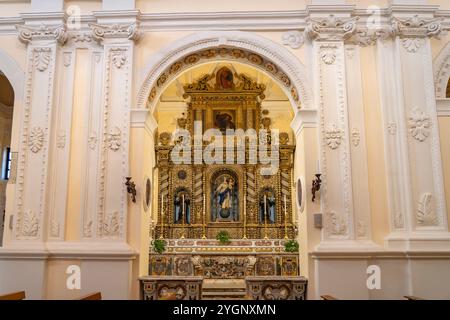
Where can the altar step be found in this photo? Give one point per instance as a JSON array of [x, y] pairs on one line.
[[223, 289]]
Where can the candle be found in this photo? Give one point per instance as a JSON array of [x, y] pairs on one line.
[[318, 167], [183, 208], [265, 207]]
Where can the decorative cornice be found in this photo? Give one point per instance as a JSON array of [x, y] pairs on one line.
[[42, 32], [331, 28], [101, 32]]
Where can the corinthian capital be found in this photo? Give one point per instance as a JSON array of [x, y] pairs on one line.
[[417, 27], [101, 32], [42, 32], [331, 28]]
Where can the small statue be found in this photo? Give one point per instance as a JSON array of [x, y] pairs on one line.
[[131, 188]]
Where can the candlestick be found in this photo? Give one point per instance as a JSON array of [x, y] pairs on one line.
[[184, 215], [245, 217], [265, 217], [162, 217], [285, 218], [204, 217]]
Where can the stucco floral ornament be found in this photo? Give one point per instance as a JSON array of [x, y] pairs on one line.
[[36, 139], [114, 139], [419, 125], [333, 136], [328, 55]]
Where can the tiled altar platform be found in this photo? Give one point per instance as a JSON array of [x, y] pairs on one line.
[[189, 267]]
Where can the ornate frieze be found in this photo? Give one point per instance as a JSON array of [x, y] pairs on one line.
[[42, 32], [419, 125], [101, 32], [331, 28]]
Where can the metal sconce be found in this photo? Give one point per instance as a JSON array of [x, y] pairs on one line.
[[315, 186], [131, 188]]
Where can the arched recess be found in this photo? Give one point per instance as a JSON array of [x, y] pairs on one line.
[[298, 91], [441, 67], [250, 48], [16, 77]]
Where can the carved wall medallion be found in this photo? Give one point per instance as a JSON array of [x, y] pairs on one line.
[[36, 139], [419, 125], [328, 55], [356, 138], [118, 57], [293, 39], [426, 215], [114, 137], [333, 136], [42, 58]]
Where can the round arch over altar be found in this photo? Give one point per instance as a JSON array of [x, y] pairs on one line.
[[276, 60]]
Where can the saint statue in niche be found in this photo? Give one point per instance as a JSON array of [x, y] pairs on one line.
[[224, 79], [225, 199], [182, 205], [267, 209]]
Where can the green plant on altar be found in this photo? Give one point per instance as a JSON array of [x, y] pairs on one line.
[[223, 237], [159, 245], [291, 246]]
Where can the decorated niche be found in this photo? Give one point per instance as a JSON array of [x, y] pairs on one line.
[[208, 198], [224, 197], [267, 206]]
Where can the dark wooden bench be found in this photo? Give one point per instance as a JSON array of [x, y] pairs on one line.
[[91, 296], [328, 297], [20, 295], [414, 298]]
